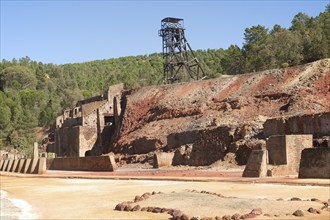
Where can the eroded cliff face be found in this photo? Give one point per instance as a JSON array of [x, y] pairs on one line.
[[165, 118]]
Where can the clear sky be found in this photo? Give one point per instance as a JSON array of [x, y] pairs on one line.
[[76, 31]]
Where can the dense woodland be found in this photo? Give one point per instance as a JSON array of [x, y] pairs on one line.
[[32, 93]]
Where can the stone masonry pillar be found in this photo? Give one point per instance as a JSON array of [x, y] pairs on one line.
[[35, 150]]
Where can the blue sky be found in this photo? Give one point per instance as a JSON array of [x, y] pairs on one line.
[[76, 31]]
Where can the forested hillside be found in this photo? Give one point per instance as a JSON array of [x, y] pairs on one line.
[[32, 93]]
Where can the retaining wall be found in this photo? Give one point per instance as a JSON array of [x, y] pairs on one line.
[[315, 163], [317, 124], [29, 166], [95, 163]]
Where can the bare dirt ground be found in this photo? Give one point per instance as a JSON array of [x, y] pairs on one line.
[[153, 113], [72, 198]]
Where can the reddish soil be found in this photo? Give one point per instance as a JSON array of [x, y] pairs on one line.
[[153, 113]]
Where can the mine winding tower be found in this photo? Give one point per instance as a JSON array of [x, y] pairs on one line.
[[180, 62]]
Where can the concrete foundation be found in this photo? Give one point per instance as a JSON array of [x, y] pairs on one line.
[[163, 159], [19, 165], [282, 159], [113, 163], [97, 163], [26, 165], [13, 167], [9, 165], [1, 163], [257, 164], [35, 150], [41, 166], [5, 165], [33, 165], [281, 170], [315, 163]]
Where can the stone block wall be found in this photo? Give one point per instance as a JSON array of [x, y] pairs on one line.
[[87, 139], [89, 112], [286, 150], [79, 129], [257, 164], [143, 145], [74, 141], [317, 124], [277, 148], [315, 163], [96, 163], [284, 156], [70, 122], [162, 159], [176, 140], [210, 147], [115, 91], [295, 144]]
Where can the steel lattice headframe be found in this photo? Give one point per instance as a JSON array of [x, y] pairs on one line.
[[180, 62]]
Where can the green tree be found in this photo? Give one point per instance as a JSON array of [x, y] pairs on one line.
[[18, 77], [314, 35], [286, 47], [324, 21], [300, 22], [256, 48], [314, 42], [233, 61]]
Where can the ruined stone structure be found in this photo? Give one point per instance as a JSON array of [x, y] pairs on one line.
[[315, 163], [281, 158], [35, 165], [257, 164], [199, 123], [86, 129], [285, 151], [162, 159], [96, 163], [26, 166], [316, 124]]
